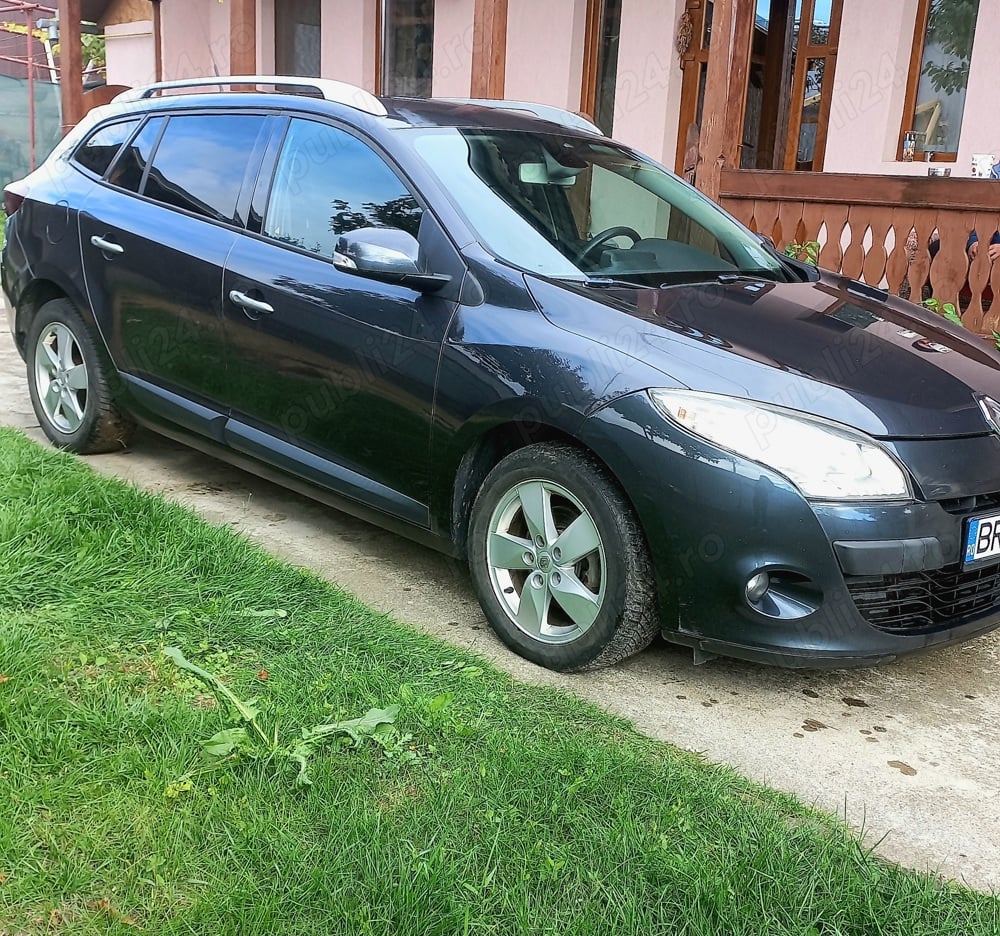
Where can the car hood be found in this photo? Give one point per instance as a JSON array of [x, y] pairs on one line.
[[832, 348]]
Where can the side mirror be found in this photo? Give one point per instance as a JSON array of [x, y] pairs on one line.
[[389, 255]]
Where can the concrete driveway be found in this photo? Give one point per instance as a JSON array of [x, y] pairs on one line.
[[908, 752]]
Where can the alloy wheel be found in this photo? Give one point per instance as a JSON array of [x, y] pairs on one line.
[[61, 377], [546, 561]]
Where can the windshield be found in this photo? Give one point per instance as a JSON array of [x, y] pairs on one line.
[[563, 206]]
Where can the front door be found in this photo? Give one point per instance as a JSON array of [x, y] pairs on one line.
[[332, 375]]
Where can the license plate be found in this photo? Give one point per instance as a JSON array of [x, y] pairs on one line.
[[982, 539]]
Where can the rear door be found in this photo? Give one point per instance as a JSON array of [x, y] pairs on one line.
[[155, 240]]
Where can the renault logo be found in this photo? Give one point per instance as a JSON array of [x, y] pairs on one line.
[[991, 410]]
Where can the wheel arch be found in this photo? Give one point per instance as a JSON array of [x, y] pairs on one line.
[[36, 294], [487, 450]]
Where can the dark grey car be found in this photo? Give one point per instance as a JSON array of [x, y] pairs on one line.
[[506, 336]]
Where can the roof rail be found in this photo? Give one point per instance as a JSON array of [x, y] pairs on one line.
[[557, 115], [337, 91]]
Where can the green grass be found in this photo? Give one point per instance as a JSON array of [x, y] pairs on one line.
[[510, 809]]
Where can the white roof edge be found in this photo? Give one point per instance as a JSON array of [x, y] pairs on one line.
[[338, 92], [549, 112]]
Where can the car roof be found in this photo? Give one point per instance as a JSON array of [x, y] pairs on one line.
[[476, 114]]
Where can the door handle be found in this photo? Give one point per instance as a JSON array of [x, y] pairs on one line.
[[106, 246], [251, 305]]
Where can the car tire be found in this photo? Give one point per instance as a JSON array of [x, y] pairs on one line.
[[560, 562], [69, 383]]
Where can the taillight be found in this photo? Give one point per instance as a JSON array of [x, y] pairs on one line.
[[11, 201]]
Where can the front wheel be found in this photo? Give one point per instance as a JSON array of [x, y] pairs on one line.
[[559, 561], [68, 383]]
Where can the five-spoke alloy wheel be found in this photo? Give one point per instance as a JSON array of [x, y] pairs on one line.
[[546, 561], [61, 377], [559, 560]]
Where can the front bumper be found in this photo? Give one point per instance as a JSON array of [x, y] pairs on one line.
[[851, 585]]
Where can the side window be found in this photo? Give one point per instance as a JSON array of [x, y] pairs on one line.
[[327, 183], [201, 160], [98, 151], [127, 170]]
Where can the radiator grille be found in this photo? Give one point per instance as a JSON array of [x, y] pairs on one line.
[[924, 601]]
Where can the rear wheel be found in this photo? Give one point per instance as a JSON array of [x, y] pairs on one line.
[[68, 383], [559, 560]]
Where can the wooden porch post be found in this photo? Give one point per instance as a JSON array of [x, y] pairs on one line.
[[70, 64], [243, 37], [725, 92], [489, 49], [157, 42]]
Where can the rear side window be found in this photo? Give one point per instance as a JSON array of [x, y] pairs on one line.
[[98, 151], [128, 169], [201, 160], [328, 183]]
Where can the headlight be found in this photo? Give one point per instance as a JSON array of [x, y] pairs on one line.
[[824, 460]]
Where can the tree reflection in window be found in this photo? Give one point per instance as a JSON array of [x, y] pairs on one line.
[[403, 213]]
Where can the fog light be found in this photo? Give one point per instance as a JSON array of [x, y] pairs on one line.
[[757, 587]]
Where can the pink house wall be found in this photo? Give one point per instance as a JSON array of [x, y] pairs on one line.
[[130, 54], [545, 51], [452, 48], [347, 52], [195, 38], [648, 98]]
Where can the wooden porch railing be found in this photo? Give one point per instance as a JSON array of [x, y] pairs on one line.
[[905, 234]]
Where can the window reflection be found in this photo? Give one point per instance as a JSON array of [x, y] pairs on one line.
[[328, 183], [297, 34], [407, 47]]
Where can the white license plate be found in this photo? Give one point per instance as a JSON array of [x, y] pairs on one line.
[[982, 539]]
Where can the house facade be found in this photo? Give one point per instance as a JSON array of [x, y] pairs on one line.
[[832, 85]]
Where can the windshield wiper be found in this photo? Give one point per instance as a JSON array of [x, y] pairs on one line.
[[726, 278], [610, 282]]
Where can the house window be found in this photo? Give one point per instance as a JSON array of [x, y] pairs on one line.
[[939, 76], [407, 47], [600, 70], [297, 38]]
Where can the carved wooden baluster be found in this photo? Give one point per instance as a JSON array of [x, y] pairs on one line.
[[950, 266], [879, 220], [831, 257], [812, 221], [898, 262], [854, 255], [919, 272], [991, 321], [979, 272], [765, 212], [789, 217]]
